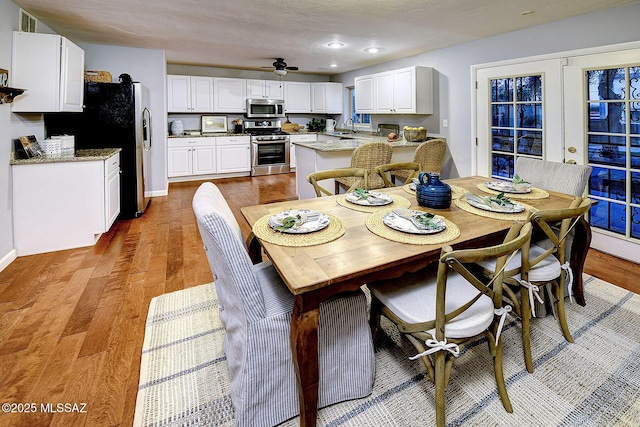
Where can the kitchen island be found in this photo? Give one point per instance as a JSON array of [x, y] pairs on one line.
[[336, 153], [64, 202]]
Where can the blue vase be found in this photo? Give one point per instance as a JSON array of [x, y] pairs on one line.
[[433, 193]]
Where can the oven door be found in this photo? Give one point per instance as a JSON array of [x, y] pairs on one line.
[[269, 157]]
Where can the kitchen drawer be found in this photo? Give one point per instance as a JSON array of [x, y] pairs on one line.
[[112, 163], [232, 140], [191, 142]]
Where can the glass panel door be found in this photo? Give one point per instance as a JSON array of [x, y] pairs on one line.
[[613, 140]]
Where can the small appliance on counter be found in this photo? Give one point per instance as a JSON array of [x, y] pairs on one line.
[[386, 129]]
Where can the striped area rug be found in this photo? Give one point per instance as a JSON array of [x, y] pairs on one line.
[[592, 382]]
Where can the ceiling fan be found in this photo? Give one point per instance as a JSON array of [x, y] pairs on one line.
[[280, 67]]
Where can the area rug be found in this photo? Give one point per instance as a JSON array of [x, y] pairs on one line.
[[592, 382]]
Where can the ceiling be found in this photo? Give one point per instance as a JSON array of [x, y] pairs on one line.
[[249, 34]]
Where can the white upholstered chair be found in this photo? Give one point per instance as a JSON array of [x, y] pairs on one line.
[[561, 177], [447, 305], [255, 309]]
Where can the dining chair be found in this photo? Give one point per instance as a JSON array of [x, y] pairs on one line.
[[368, 156], [447, 305], [561, 177], [430, 155], [255, 308], [540, 266], [386, 171], [315, 178]]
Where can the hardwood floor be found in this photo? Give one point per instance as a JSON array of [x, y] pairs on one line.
[[72, 322]]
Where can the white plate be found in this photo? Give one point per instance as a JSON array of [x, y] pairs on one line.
[[397, 222], [308, 222], [477, 202], [375, 199], [506, 187]]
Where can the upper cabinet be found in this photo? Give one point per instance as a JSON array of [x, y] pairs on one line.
[[229, 95], [51, 68], [364, 94], [297, 97], [268, 89], [326, 97], [190, 94], [403, 91]]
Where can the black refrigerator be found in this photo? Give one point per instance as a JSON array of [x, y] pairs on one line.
[[115, 115]]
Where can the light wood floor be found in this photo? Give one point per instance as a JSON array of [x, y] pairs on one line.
[[72, 322]]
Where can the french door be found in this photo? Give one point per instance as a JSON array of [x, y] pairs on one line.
[[581, 109]]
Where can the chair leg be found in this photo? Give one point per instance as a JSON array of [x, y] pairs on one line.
[[440, 385], [525, 316], [499, 373], [374, 317], [562, 317]]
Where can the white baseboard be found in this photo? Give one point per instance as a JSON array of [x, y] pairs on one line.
[[156, 193], [8, 259]]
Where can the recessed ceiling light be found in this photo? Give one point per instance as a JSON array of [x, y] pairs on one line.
[[372, 50], [335, 45], [527, 12], [333, 65]]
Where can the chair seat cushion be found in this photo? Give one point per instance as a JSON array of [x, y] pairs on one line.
[[412, 298], [546, 270]]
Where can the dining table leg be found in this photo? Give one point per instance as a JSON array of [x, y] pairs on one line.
[[304, 350]]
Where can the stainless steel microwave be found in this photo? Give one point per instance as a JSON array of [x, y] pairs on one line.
[[265, 108]]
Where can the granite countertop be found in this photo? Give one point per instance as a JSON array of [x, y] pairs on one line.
[[80, 156], [326, 145]]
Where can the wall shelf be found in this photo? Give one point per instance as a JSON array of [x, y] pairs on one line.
[[8, 93]]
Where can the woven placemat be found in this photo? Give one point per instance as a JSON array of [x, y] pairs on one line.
[[521, 216], [331, 232], [456, 192], [376, 226], [398, 202], [536, 193]]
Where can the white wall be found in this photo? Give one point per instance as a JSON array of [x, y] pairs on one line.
[[147, 66], [453, 70]]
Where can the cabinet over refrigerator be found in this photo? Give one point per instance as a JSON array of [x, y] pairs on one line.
[[115, 115]]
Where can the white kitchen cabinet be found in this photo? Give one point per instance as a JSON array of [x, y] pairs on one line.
[[297, 97], [326, 97], [309, 137], [51, 68], [402, 91], [364, 94], [189, 94], [112, 190], [267, 89], [233, 154], [229, 95], [191, 156], [64, 205]]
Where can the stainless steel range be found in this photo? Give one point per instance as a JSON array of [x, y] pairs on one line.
[[269, 147]]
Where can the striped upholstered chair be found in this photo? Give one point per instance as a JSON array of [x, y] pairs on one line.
[[255, 308]]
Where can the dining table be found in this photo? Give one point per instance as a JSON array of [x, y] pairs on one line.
[[359, 249]]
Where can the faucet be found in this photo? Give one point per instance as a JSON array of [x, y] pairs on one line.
[[349, 122]]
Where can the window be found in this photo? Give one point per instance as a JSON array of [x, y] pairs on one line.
[[360, 121], [613, 140], [516, 121]]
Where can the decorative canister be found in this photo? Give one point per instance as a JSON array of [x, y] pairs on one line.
[[433, 193], [177, 128]]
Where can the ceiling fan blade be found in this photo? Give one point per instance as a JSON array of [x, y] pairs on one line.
[[292, 68], [267, 67]]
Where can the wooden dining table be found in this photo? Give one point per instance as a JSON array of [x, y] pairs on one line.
[[318, 272]]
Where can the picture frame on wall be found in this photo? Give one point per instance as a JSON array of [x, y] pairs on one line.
[[214, 124]]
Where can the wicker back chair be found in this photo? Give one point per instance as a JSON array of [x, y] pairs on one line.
[[315, 178], [387, 171], [368, 156], [430, 155]]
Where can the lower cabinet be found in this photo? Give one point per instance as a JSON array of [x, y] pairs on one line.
[[64, 205], [208, 155], [309, 137], [233, 154], [191, 156]]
